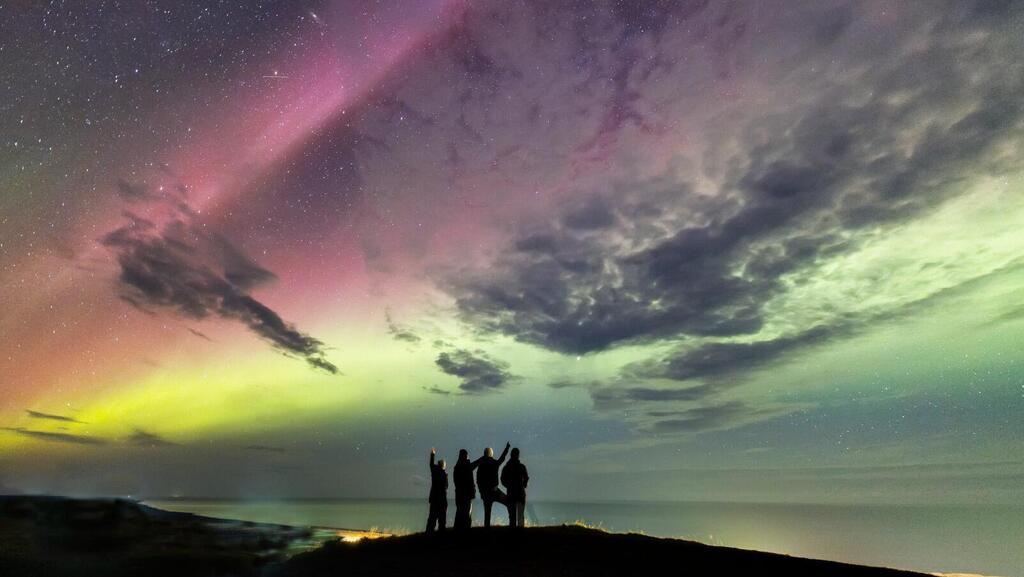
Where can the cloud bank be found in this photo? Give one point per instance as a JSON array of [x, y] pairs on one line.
[[701, 255]]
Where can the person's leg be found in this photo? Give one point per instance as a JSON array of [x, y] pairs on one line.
[[442, 518], [463, 513], [521, 513], [487, 512], [510, 506], [431, 517]]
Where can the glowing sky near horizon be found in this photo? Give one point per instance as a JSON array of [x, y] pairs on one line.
[[301, 241]]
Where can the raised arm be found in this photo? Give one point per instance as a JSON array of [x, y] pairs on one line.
[[433, 453], [504, 453]]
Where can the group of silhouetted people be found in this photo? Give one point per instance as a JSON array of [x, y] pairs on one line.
[[513, 477]]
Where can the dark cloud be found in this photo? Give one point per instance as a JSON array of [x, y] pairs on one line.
[[717, 360], [1009, 315], [143, 438], [57, 437], [722, 365], [200, 334], [708, 417], [239, 269], [884, 139], [399, 332], [265, 448], [595, 214], [667, 410], [181, 267], [51, 417], [565, 384], [477, 371], [612, 397], [132, 192], [435, 390], [797, 186]]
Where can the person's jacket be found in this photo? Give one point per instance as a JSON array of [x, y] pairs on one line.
[[487, 471], [515, 478], [464, 487], [438, 483]]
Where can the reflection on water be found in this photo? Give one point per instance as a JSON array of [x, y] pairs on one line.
[[978, 539]]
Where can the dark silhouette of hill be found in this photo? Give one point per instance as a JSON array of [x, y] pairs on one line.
[[567, 550], [61, 537]]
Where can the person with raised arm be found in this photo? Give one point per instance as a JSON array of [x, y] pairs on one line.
[[438, 516], [487, 480]]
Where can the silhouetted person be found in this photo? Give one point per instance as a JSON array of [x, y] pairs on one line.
[[438, 494], [465, 490], [515, 478], [487, 480]]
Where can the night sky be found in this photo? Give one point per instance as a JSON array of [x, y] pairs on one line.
[[689, 250]]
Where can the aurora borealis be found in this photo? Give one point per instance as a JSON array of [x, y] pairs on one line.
[[672, 250]]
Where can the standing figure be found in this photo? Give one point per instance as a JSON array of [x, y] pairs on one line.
[[438, 494], [487, 480], [465, 490], [515, 478]]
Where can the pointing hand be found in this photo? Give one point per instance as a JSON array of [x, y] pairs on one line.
[[433, 451]]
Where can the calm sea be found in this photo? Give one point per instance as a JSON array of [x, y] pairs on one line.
[[974, 539]]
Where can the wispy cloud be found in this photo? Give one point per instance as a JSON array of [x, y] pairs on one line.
[[51, 417], [399, 332], [436, 390], [143, 438], [57, 437], [265, 448]]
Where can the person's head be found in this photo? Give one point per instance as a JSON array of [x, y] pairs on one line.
[[515, 454], [441, 464], [463, 455]]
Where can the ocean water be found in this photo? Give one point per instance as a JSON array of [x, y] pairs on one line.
[[971, 539]]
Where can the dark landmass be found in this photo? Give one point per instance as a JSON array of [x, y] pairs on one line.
[[53, 536], [567, 550], [62, 537]]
